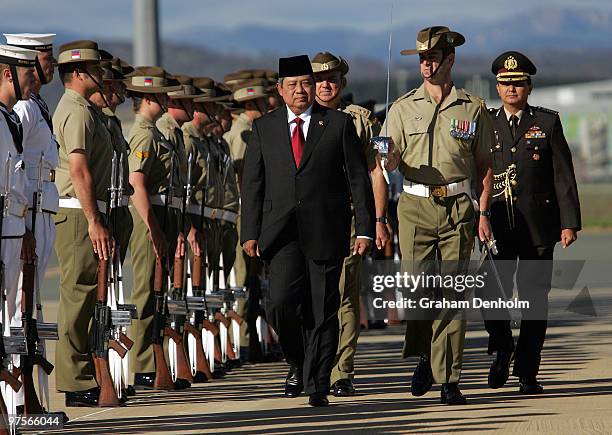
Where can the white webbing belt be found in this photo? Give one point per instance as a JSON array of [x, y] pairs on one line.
[[426, 191]]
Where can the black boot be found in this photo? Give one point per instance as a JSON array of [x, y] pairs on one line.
[[86, 398], [530, 385], [451, 395], [343, 388], [144, 381], [422, 379], [293, 383], [500, 369], [318, 399]]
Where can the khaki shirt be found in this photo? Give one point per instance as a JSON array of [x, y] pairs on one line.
[[173, 134], [150, 154], [78, 127], [237, 138], [120, 145], [367, 126], [205, 171], [422, 131], [231, 194]]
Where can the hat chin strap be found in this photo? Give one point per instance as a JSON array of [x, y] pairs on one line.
[[184, 107], [41, 75], [100, 88], [18, 94], [444, 56]]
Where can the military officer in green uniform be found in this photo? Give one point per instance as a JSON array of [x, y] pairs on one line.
[[330, 76], [82, 179], [155, 231], [441, 142]]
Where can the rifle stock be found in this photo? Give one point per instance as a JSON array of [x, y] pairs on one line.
[[183, 369], [202, 362], [126, 341], [108, 395], [163, 378]]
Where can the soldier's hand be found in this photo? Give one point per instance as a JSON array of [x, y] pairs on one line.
[[100, 238], [196, 241], [568, 236], [251, 248], [158, 238], [28, 247], [485, 232], [393, 157], [180, 246], [382, 235], [362, 245]]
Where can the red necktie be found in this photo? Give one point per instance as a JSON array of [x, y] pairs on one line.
[[297, 141]]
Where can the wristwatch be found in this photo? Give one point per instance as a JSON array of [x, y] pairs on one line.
[[486, 213], [382, 220]]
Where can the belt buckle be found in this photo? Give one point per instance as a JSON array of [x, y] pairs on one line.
[[213, 214], [438, 191], [52, 175]]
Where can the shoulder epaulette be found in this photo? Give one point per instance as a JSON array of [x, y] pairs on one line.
[[406, 95], [545, 110], [354, 108]]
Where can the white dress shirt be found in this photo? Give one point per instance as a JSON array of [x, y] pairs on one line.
[[305, 116], [518, 114]]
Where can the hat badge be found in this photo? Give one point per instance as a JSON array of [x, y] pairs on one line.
[[510, 63], [450, 39], [423, 46], [325, 67], [148, 81], [75, 54]]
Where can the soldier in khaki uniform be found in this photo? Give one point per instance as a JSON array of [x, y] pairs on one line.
[[155, 231], [330, 76], [249, 94], [441, 142], [106, 102], [82, 179], [199, 132]]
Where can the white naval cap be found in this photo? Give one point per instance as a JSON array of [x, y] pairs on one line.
[[34, 41], [17, 56]]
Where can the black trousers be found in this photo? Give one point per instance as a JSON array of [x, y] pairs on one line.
[[531, 266], [302, 307]]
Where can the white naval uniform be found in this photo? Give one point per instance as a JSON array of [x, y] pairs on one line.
[[13, 228], [38, 138]]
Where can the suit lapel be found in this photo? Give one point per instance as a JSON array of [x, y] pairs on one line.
[[285, 144], [527, 120], [315, 130]]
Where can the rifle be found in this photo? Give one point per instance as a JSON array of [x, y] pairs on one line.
[[103, 340], [163, 378], [196, 303], [34, 356], [121, 315], [177, 306], [13, 344]]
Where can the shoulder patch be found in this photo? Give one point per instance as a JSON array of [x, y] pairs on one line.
[[545, 110], [142, 154], [491, 110]]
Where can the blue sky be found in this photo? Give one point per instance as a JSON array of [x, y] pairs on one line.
[[113, 18]]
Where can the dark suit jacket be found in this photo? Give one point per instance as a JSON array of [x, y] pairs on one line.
[[545, 190], [318, 194]]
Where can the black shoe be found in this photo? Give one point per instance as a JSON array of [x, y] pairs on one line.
[[422, 379], [318, 399], [123, 398], [451, 395], [144, 381], [231, 364], [530, 385], [244, 354], [181, 384], [130, 391], [500, 369], [219, 373], [293, 383], [87, 398], [200, 378], [343, 388]]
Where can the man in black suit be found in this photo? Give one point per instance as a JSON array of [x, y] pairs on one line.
[[304, 165], [535, 205]]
